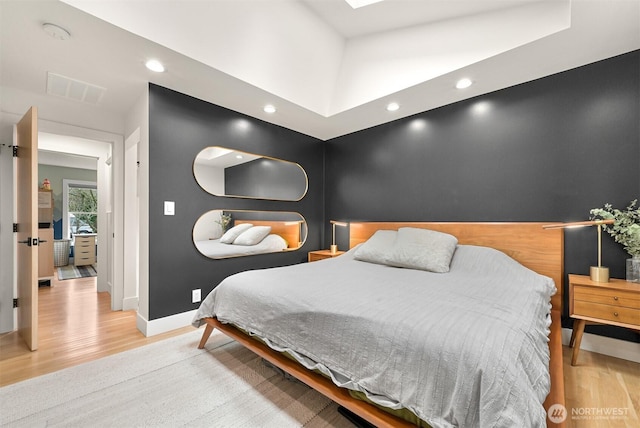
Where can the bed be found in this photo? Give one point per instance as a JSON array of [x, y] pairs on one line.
[[282, 236], [507, 393]]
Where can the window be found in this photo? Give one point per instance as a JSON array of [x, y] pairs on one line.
[[80, 207]]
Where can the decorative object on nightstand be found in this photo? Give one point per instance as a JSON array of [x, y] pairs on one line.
[[614, 303], [597, 273], [626, 231], [322, 254], [224, 221], [334, 247]]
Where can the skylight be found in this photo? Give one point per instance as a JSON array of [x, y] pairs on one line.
[[361, 3]]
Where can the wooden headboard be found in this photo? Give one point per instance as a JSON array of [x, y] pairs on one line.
[[289, 230], [541, 250]]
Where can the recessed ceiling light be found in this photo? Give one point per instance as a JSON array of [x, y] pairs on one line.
[[155, 65], [393, 106], [269, 109], [55, 31], [238, 156], [463, 83]]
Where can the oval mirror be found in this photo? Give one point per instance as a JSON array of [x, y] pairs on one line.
[[220, 234], [225, 172]]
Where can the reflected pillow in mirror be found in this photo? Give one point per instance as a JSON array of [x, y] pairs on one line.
[[231, 234], [423, 249], [377, 249], [253, 236]]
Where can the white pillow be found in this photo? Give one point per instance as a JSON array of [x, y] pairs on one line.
[[253, 236], [231, 234], [377, 249], [423, 249]]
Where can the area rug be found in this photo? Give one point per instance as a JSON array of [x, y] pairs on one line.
[[169, 383], [72, 272]]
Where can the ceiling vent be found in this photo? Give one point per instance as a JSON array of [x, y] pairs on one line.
[[66, 87]]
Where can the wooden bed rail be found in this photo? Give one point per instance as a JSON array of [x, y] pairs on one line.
[[325, 386]]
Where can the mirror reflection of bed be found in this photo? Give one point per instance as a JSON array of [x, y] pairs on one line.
[[220, 234]]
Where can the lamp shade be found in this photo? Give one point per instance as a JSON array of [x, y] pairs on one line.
[[597, 273], [334, 223]]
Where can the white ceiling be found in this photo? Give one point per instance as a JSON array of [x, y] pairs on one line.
[[329, 69]]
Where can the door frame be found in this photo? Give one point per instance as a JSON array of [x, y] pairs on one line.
[[131, 262], [115, 214], [109, 256]]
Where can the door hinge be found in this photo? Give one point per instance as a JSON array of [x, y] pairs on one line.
[[15, 151], [15, 303], [15, 227]]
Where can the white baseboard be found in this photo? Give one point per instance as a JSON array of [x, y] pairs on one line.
[[162, 325], [606, 345], [129, 303]]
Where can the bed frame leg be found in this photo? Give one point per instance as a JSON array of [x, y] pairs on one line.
[[205, 336]]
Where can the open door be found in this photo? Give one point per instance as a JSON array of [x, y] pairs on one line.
[[27, 220]]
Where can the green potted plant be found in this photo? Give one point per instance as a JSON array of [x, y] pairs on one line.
[[224, 222], [626, 231]]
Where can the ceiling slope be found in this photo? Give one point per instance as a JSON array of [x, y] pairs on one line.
[[328, 70]]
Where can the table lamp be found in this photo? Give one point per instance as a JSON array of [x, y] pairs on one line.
[[334, 247], [596, 273]]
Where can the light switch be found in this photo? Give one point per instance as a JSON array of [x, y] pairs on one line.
[[169, 208]]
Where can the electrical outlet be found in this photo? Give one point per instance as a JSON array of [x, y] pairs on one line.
[[196, 296]]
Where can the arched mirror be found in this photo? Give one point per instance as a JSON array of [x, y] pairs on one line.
[[220, 234], [225, 172]]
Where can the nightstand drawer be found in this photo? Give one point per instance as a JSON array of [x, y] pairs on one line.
[[607, 312], [621, 298]]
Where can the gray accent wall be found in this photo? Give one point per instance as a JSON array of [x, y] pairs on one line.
[[266, 178], [547, 150], [179, 127]]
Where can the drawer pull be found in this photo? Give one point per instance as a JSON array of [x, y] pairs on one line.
[[615, 298], [615, 314]]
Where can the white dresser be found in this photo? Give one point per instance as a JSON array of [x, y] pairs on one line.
[[84, 249]]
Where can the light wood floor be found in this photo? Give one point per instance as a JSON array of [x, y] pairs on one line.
[[77, 325]]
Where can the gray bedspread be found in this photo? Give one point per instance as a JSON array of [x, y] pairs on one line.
[[468, 348]]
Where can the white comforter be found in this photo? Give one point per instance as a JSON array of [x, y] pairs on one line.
[[215, 249], [467, 348]]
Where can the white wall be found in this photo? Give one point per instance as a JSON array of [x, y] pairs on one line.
[[274, 37], [212, 177], [137, 120], [207, 226], [6, 228], [137, 131]]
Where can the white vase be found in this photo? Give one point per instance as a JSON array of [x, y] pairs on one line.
[[633, 269]]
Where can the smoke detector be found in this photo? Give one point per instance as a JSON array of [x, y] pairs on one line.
[[55, 31]]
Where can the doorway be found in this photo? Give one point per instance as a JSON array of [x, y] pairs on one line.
[[110, 173], [80, 163]]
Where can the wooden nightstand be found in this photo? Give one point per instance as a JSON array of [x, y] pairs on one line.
[[616, 302], [322, 254]]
